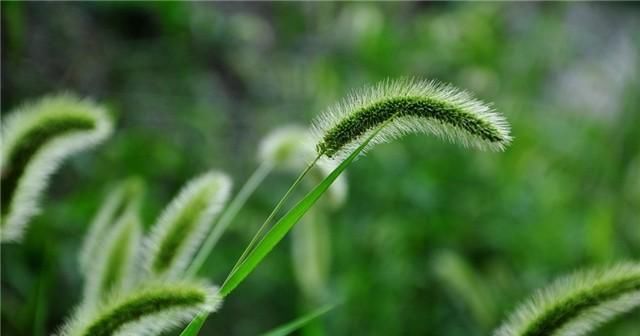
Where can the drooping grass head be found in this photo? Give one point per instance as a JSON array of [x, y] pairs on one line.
[[409, 106], [149, 309], [184, 224], [35, 139], [577, 304]]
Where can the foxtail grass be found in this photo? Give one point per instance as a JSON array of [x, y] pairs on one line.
[[183, 225], [577, 304], [148, 310], [35, 139], [409, 106]]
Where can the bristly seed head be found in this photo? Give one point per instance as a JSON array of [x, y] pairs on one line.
[[149, 309], [409, 106], [577, 304], [184, 223], [35, 139]]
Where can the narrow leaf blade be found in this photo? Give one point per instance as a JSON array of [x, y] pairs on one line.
[[282, 226], [300, 322], [194, 326]]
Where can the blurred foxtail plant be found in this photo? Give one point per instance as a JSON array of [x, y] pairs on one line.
[[36, 138], [577, 304]]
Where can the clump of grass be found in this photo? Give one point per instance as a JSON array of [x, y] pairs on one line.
[[123, 199], [149, 309], [409, 106], [577, 304], [36, 138], [386, 112], [184, 223]]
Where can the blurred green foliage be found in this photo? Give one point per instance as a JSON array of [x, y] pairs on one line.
[[430, 230]]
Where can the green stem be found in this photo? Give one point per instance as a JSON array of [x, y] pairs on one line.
[[227, 217], [273, 213]]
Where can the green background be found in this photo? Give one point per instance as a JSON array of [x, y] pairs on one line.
[[434, 239]]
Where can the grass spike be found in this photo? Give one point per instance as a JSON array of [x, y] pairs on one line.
[[123, 198], [148, 310], [409, 106], [113, 268], [36, 138], [185, 222], [577, 304]]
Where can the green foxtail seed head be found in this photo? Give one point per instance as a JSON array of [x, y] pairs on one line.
[[185, 222], [290, 148], [409, 106], [36, 138], [149, 309], [112, 270], [577, 304], [124, 198]]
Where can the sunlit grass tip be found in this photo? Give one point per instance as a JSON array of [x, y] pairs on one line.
[[287, 147], [290, 148], [149, 309], [113, 269], [125, 197], [409, 106], [184, 224], [35, 139], [577, 304]]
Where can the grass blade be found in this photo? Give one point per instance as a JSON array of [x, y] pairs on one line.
[[300, 322], [280, 228], [194, 326]]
